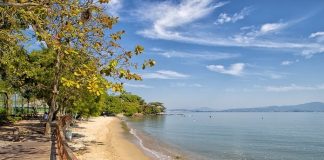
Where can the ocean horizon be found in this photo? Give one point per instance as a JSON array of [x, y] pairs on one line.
[[231, 136]]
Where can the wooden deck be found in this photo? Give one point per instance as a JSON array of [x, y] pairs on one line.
[[25, 140]]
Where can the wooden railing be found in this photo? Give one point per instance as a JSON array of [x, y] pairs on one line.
[[64, 151]]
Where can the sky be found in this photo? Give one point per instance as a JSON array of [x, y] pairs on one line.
[[226, 54]]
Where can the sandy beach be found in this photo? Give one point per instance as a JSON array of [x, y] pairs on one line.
[[103, 138]]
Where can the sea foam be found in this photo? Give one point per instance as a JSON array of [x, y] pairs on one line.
[[156, 154]]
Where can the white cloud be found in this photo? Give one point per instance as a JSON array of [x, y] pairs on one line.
[[137, 85], [272, 27], [186, 85], [196, 85], [164, 74], [113, 7], [236, 90], [225, 18], [310, 52], [293, 87], [167, 20], [287, 63], [316, 34], [267, 74], [157, 50], [166, 15], [274, 76], [268, 28], [235, 69], [247, 27], [251, 33], [319, 36], [204, 56]]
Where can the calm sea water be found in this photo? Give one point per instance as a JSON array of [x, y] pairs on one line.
[[237, 136]]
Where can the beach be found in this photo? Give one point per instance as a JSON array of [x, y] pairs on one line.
[[104, 138]]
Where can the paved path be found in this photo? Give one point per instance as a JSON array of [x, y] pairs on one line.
[[28, 143]]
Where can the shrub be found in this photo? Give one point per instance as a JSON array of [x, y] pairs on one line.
[[3, 113]]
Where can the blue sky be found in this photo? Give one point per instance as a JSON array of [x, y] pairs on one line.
[[225, 54]]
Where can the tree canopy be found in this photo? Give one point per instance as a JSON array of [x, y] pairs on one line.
[[129, 104], [83, 54]]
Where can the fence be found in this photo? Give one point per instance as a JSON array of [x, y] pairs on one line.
[[21, 106], [64, 152]]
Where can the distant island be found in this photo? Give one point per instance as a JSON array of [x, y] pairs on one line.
[[306, 107]]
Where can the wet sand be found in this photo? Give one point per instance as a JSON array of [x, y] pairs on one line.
[[104, 138]]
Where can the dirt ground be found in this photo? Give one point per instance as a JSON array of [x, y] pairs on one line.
[[25, 140]]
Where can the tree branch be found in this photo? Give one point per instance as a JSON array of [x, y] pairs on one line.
[[11, 4]]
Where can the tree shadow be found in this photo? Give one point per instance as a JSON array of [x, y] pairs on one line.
[[77, 136], [24, 140], [24, 131]]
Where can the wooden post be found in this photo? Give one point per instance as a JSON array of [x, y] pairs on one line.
[[22, 105], [15, 104], [28, 106]]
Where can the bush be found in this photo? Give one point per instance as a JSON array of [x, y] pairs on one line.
[[130, 104], [3, 113], [130, 108], [12, 119], [4, 118]]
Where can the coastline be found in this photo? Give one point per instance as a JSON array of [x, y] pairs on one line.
[[152, 147], [104, 138], [157, 148]]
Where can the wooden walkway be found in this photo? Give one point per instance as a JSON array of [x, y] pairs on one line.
[[27, 143]]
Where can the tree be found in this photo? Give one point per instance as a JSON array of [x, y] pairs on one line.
[[73, 29], [154, 108], [128, 104], [16, 74]]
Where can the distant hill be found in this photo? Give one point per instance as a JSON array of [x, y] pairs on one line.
[[201, 109], [307, 107]]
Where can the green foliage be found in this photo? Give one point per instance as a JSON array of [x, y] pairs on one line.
[[2, 113], [4, 118], [85, 104], [154, 108], [114, 105], [70, 29], [130, 108], [31, 74], [130, 104], [13, 119], [81, 60]]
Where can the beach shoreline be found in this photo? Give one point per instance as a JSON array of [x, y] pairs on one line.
[[104, 138], [157, 148]]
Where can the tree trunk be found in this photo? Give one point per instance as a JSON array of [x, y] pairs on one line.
[[55, 93], [28, 100], [6, 103], [56, 111], [22, 105]]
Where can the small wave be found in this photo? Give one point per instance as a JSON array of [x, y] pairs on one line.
[[158, 155]]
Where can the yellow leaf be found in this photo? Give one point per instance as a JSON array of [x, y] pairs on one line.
[[76, 74]]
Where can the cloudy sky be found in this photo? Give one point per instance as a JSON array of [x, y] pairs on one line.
[[225, 54]]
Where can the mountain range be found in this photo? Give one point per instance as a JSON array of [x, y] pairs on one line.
[[306, 107]]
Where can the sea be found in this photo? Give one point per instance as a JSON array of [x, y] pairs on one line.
[[231, 135]]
